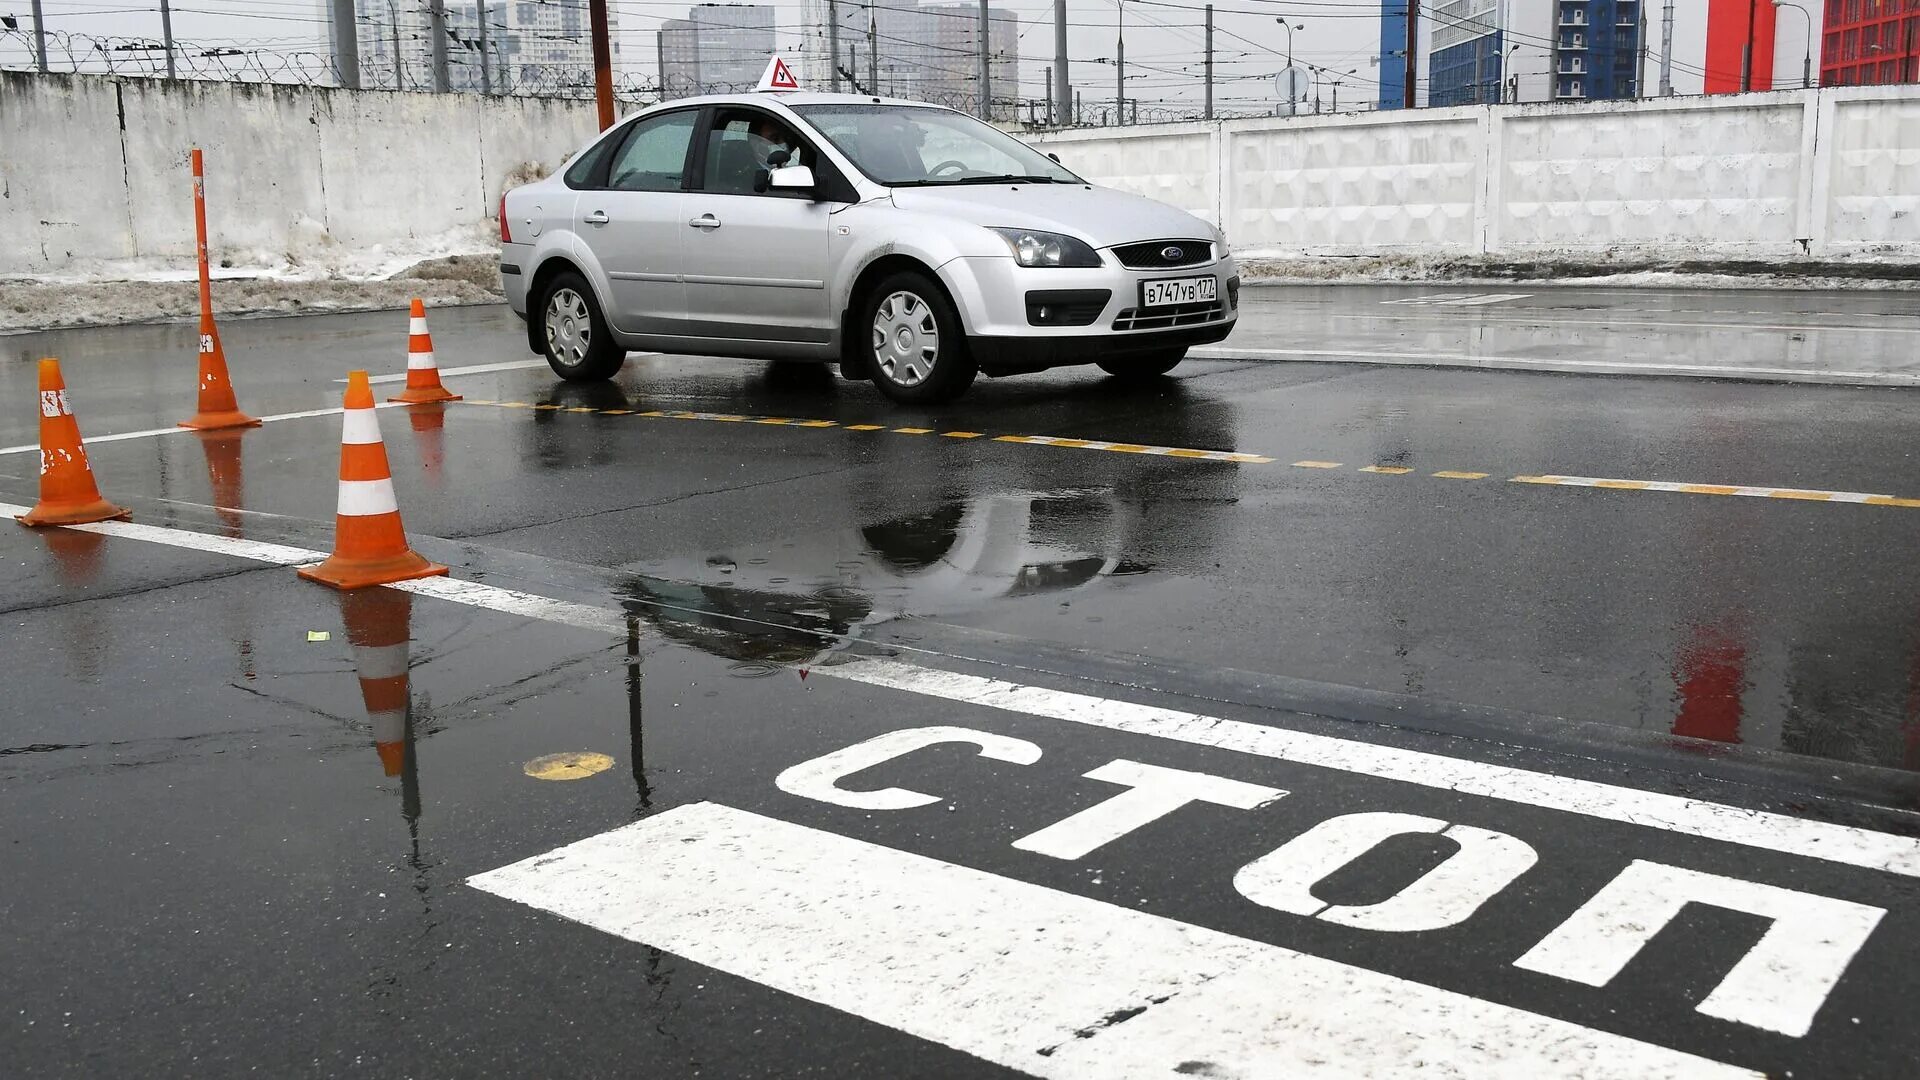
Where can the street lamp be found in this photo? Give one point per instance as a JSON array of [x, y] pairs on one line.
[[1806, 63], [1289, 28]]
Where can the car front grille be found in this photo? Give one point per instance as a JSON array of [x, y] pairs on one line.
[[1161, 318], [1152, 254]]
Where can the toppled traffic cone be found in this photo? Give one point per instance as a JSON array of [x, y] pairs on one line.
[[68, 495], [369, 544], [423, 374], [217, 408], [379, 624]]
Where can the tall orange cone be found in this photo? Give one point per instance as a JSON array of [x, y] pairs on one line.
[[218, 409], [423, 374], [369, 544], [68, 494], [379, 624]]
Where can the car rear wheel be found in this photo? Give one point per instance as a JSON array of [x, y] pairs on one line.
[[1143, 366], [916, 350], [579, 347]]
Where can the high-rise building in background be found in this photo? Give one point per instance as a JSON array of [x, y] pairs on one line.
[[533, 46], [1489, 51], [1729, 35], [1393, 54], [1597, 50], [717, 48], [1865, 44], [930, 52]]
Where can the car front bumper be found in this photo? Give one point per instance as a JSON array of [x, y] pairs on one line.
[[1007, 331]]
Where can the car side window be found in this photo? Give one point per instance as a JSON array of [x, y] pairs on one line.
[[654, 157], [742, 145]]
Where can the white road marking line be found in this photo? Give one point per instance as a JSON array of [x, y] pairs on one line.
[[1589, 367], [1843, 844], [1628, 323], [176, 430], [1459, 299], [1810, 494], [1673, 813], [1045, 982], [476, 369]]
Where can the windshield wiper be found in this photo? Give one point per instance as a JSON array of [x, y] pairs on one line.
[[1003, 178]]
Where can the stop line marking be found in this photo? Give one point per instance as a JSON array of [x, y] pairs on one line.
[[1042, 981]]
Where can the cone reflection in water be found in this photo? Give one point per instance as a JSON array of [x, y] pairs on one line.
[[225, 478], [68, 494], [423, 371], [75, 553], [379, 625], [429, 423], [370, 544], [217, 406]]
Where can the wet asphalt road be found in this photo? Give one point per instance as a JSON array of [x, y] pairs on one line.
[[219, 861]]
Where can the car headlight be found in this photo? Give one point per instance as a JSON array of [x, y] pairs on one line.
[[1032, 248]]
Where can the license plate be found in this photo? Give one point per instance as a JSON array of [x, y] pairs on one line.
[[1186, 290]]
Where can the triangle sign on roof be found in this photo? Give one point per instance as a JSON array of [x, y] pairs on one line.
[[778, 76]]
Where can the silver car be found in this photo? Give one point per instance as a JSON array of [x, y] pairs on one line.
[[911, 244]]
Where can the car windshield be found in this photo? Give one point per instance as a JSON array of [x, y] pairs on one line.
[[904, 145]]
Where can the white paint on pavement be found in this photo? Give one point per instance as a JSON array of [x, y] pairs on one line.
[[1447, 895], [819, 779], [178, 430], [1590, 367], [1153, 792], [475, 369], [1778, 985], [1045, 982], [1673, 813]]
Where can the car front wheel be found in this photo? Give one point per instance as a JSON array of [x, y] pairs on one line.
[[579, 346], [917, 351], [1144, 365]]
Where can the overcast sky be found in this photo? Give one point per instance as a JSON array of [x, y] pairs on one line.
[[1164, 39]]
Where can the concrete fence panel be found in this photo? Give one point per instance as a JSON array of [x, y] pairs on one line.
[[1873, 178], [63, 182], [1173, 163]]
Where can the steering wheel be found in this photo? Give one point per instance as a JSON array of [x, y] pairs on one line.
[[958, 166]]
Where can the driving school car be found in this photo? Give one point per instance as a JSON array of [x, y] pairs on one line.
[[911, 244]]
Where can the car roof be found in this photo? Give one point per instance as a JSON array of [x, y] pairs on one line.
[[794, 99]]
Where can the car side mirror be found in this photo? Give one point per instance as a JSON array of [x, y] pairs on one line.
[[791, 178]]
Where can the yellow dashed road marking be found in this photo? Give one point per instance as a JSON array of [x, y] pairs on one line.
[[584, 408], [1237, 457]]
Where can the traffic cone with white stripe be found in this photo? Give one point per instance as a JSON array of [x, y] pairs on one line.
[[369, 544], [68, 494], [423, 374], [378, 627]]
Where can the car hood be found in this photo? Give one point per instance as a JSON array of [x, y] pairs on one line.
[[1102, 216]]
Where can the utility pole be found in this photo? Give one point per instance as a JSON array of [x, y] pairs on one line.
[[39, 38], [1746, 51], [1640, 69], [1050, 95], [1063, 85], [1120, 63], [437, 32], [833, 42], [986, 87], [393, 23], [1666, 52], [486, 73], [660, 59], [1413, 53], [346, 44], [873, 58], [166, 33], [602, 62], [1209, 113]]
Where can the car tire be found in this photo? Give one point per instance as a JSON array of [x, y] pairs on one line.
[[1143, 366], [916, 351], [579, 344]]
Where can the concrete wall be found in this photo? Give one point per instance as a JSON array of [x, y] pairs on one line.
[[94, 168], [1821, 173]]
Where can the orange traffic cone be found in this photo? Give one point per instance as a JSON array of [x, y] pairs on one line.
[[369, 544], [68, 495], [218, 409], [423, 374], [379, 626]]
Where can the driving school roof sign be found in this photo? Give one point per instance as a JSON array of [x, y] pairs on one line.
[[778, 76]]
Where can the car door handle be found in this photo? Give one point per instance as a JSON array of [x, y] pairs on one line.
[[705, 221], [598, 217]]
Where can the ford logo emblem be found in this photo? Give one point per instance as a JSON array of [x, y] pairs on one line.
[[1173, 254]]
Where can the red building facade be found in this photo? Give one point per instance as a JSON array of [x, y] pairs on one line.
[[1730, 25], [1868, 42]]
